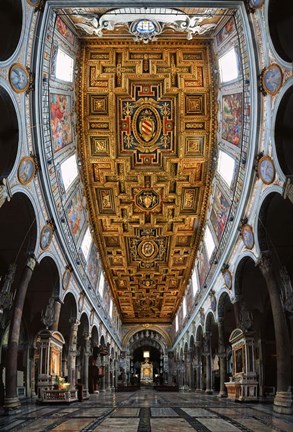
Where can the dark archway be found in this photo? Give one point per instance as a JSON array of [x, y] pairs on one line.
[[9, 131], [280, 16], [10, 27], [284, 132]]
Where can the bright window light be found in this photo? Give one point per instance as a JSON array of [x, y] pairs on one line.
[[64, 66], [226, 166], [228, 66], [111, 308], [86, 243], [209, 242], [101, 284], [176, 324], [195, 286], [69, 171], [184, 307]]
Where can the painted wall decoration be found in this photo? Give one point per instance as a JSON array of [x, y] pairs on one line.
[[226, 31], [75, 214], [46, 236], [61, 117], [26, 170], [92, 266], [219, 213], [203, 265], [247, 236], [232, 118], [64, 31], [19, 78], [266, 170], [272, 78]]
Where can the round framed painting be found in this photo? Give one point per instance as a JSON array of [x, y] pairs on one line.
[[256, 4], [266, 170], [26, 170], [272, 79], [34, 3], [46, 236], [66, 278], [227, 278], [19, 78], [247, 236]]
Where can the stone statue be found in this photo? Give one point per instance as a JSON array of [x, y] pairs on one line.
[[48, 316]]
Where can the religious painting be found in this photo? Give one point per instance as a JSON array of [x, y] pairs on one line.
[[19, 78], [61, 118], [232, 118], [26, 170], [227, 278], [34, 3], [80, 303], [75, 214], [247, 236], [92, 266], [238, 360], [203, 265], [266, 170], [226, 31], [46, 236], [64, 31], [66, 278], [219, 213], [272, 78]]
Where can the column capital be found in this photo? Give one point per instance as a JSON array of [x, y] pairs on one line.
[[264, 262], [31, 262]]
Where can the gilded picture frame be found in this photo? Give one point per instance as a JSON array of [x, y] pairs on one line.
[[66, 278], [272, 79], [19, 78], [26, 170], [266, 170], [227, 276], [247, 236], [46, 236]]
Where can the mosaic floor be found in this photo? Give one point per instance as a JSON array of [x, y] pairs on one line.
[[148, 411]]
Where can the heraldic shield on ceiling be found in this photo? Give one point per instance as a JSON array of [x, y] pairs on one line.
[[146, 119]]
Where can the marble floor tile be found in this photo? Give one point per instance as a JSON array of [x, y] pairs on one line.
[[125, 412], [115, 424], [73, 425], [218, 425], [170, 425], [254, 425], [163, 412], [40, 425], [198, 412], [91, 412]]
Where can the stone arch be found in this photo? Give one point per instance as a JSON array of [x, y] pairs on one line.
[[11, 17], [280, 20], [284, 132], [9, 132]]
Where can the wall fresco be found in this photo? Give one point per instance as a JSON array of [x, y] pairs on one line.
[[219, 213], [226, 31], [64, 31], [75, 214], [92, 266], [232, 118], [61, 113], [203, 265]]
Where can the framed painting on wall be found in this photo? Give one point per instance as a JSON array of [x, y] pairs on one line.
[[266, 170], [272, 79], [46, 236], [26, 170], [247, 236], [19, 78]]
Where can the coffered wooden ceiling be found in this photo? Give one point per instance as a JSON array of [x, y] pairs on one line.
[[146, 133]]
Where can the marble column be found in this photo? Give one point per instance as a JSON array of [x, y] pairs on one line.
[[72, 352], [57, 309], [198, 367], [222, 358], [207, 354], [85, 366], [283, 398], [11, 400]]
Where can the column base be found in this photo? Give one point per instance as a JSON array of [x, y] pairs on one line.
[[198, 390], [222, 395], [283, 403], [12, 406], [208, 391]]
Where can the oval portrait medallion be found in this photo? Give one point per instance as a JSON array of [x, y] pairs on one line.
[[146, 125]]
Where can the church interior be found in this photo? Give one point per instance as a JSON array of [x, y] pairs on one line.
[[146, 208]]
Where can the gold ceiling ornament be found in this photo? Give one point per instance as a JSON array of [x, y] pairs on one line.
[[147, 117]]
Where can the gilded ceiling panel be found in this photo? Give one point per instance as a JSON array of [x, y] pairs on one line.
[[146, 119]]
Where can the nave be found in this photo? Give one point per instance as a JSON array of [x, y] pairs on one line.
[[147, 410]]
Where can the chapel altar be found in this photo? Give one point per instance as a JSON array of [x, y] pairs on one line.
[[146, 372]]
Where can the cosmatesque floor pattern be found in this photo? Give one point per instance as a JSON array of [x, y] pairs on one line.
[[148, 411]]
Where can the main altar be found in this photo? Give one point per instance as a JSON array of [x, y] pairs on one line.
[[146, 372]]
